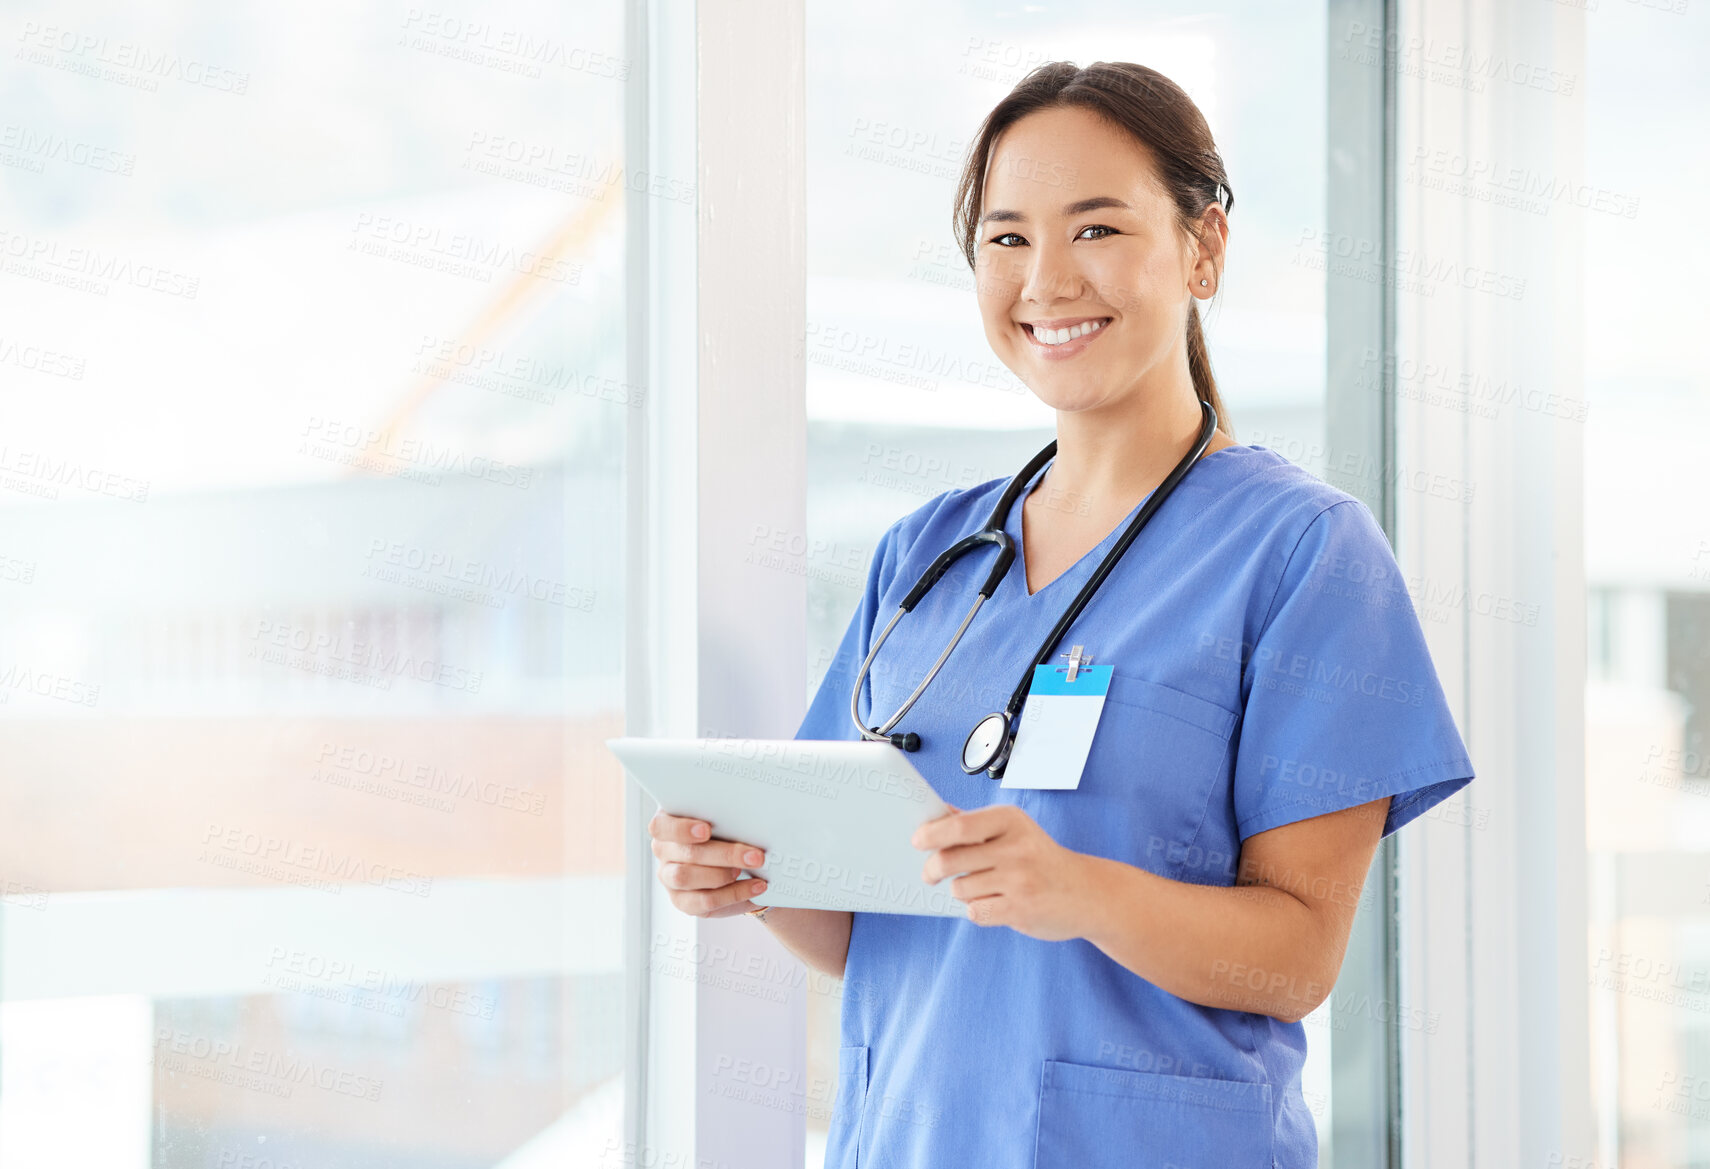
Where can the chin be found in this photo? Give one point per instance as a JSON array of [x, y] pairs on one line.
[[1069, 401]]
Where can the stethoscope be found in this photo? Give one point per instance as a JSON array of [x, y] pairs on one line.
[[988, 745]]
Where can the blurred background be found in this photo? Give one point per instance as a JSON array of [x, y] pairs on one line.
[[311, 331], [312, 415]]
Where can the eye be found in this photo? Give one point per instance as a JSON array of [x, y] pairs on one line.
[[1006, 235], [1096, 227]]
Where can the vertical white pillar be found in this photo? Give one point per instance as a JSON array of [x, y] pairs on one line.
[[1493, 903], [719, 470]]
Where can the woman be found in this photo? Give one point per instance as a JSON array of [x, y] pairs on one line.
[[1141, 947]]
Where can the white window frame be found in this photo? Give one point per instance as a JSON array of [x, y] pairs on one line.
[[716, 643], [1493, 894]]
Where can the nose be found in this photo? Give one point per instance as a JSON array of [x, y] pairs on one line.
[[1051, 274]]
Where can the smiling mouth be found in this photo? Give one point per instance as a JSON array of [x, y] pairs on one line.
[[1052, 339]]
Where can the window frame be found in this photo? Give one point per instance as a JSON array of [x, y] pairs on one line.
[[1492, 893], [724, 371]]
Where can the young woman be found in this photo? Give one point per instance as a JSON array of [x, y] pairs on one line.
[[1141, 946]]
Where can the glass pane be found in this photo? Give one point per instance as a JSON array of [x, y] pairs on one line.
[[905, 398], [311, 346], [1647, 567]]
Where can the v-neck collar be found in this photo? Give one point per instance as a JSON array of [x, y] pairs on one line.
[[1012, 525]]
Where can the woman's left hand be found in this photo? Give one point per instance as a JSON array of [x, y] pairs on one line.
[[1015, 874]]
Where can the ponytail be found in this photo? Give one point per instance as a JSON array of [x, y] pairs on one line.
[[1199, 365]]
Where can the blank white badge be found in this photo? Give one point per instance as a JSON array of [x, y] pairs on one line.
[[1057, 727]]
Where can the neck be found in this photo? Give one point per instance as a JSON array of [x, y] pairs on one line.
[[1112, 457]]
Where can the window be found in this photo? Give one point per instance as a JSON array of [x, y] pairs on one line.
[[1647, 573], [310, 851]]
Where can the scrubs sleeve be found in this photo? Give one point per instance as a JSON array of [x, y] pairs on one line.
[[1342, 704], [828, 713]]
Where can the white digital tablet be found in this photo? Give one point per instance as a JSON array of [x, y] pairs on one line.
[[834, 816]]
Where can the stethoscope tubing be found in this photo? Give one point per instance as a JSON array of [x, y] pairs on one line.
[[994, 533]]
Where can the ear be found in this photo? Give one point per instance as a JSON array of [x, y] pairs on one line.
[[1210, 252]]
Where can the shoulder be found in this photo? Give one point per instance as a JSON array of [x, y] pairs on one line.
[[1294, 525], [1287, 499], [945, 517]]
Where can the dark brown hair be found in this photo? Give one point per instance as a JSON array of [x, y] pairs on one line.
[[1161, 116]]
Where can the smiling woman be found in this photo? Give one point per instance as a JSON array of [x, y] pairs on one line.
[[1154, 909], [1112, 181]]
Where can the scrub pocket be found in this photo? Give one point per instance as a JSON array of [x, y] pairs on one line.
[[842, 1142], [1159, 759], [1112, 1118]]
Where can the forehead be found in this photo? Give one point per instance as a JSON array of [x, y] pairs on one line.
[[1054, 156]]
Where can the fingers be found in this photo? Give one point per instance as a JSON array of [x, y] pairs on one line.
[[720, 902], [682, 829], [976, 885], [685, 840], [722, 853], [966, 827], [702, 873], [683, 876], [961, 858]]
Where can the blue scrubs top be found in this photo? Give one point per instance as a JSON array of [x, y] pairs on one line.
[[1268, 667]]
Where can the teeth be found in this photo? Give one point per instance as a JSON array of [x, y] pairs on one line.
[[1063, 336]]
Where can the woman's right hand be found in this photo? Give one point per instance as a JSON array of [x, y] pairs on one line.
[[701, 871]]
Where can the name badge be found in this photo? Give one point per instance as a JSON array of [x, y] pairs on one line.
[[1057, 727]]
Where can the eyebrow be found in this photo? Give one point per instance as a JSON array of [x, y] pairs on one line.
[[1092, 204]]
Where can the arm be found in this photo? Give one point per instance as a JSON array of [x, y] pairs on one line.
[[703, 877], [1272, 943], [819, 937]]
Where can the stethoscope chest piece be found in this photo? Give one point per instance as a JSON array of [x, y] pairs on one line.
[[985, 743]]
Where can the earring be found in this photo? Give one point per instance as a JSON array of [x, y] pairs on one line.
[[1202, 284]]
